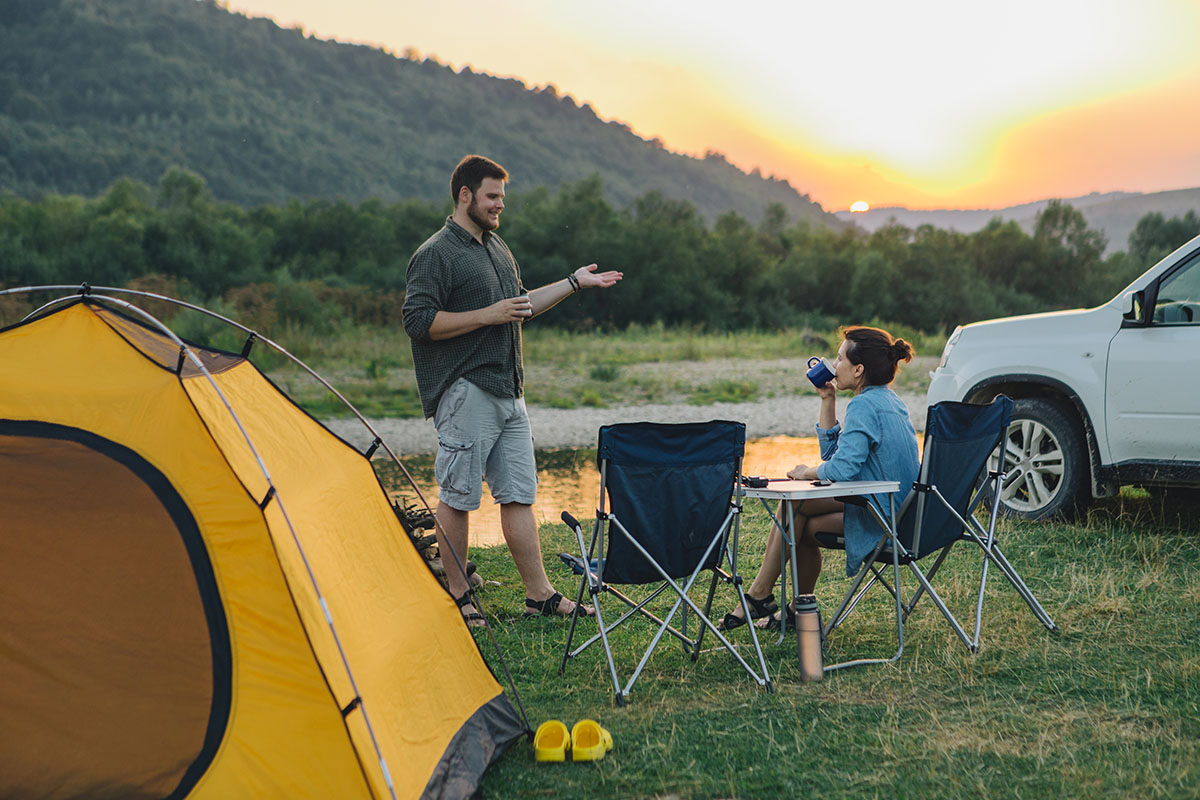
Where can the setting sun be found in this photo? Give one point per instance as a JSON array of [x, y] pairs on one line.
[[859, 206], [945, 103]]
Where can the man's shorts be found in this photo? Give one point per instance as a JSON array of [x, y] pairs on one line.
[[483, 436]]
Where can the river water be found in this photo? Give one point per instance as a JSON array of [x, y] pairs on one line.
[[568, 481]]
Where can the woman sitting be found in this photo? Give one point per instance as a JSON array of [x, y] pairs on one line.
[[877, 442]]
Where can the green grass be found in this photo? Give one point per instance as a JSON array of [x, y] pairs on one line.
[[1108, 706], [725, 392], [638, 344], [372, 366]]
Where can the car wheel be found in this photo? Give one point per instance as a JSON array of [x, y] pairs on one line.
[[1045, 463]]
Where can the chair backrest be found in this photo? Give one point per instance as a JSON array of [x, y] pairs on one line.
[[959, 437], [670, 486]]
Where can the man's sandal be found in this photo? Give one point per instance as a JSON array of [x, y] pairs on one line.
[[759, 608], [474, 619], [549, 608]]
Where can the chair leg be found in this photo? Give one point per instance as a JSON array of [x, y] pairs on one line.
[[983, 576], [612, 667], [593, 584], [683, 598], [847, 609], [1015, 579], [635, 608], [854, 594], [584, 582], [937, 564], [712, 590], [941, 605], [971, 529], [731, 546], [637, 671], [995, 555], [683, 604], [862, 573]]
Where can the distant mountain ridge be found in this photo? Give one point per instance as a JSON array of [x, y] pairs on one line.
[[93, 90], [1114, 213]]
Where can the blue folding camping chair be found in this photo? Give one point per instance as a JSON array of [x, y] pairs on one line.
[[669, 510], [937, 514]]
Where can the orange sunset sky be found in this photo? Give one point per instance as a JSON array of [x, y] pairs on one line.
[[925, 104]]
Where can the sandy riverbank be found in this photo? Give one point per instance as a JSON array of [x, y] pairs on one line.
[[576, 427]]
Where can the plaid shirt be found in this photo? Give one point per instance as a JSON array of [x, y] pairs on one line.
[[453, 272]]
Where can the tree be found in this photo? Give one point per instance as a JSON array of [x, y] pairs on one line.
[[1155, 237], [1069, 256], [182, 189]]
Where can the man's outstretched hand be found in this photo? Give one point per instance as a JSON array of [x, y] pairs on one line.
[[590, 279]]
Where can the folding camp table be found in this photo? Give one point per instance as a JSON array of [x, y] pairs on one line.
[[790, 492]]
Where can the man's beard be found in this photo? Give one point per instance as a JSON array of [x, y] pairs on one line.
[[479, 218]]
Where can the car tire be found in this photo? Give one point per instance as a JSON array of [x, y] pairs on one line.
[[1045, 463]]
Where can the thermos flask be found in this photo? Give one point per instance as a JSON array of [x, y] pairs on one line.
[[808, 638]]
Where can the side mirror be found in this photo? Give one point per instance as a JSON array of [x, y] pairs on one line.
[[1132, 304]]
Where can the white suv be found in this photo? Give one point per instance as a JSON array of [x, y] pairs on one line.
[[1104, 396]]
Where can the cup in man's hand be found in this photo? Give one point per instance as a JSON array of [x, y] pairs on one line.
[[820, 371]]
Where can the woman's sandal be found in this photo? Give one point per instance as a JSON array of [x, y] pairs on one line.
[[773, 621], [759, 608], [549, 608], [474, 619]]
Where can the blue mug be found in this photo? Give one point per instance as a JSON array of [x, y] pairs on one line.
[[820, 371]]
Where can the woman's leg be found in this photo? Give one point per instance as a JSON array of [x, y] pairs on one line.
[[761, 589], [768, 573], [823, 516], [808, 551]]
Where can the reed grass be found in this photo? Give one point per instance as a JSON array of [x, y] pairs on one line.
[[1109, 705]]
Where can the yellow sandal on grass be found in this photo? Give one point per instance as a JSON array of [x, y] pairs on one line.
[[551, 742], [589, 741]]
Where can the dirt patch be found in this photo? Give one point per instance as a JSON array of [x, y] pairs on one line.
[[784, 407]]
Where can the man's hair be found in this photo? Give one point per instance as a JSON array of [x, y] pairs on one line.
[[877, 351], [471, 171]]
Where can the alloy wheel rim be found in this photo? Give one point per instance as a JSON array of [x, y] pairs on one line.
[[1033, 466]]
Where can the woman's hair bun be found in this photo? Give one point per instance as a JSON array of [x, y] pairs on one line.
[[902, 350]]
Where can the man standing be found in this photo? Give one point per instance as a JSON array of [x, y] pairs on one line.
[[463, 310]]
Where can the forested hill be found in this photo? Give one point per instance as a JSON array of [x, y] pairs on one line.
[[93, 90]]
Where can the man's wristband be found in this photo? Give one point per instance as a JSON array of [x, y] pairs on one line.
[[571, 279]]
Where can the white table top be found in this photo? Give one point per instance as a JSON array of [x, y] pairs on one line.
[[804, 490]]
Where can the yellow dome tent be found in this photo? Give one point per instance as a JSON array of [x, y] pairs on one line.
[[206, 594]]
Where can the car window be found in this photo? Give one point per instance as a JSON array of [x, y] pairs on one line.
[[1178, 301]]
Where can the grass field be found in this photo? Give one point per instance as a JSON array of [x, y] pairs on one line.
[[1108, 706], [372, 367]]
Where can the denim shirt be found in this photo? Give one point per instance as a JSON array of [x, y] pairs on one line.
[[877, 443]]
